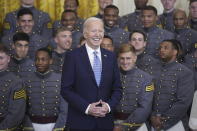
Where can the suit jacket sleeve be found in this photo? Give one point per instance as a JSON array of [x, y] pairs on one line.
[[67, 83], [116, 86]]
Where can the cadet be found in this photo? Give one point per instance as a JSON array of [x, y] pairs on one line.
[[136, 103], [13, 95], [193, 14], [46, 110], [166, 19], [107, 43], [20, 63], [110, 18], [184, 34], [73, 5], [174, 88], [144, 61], [154, 34], [132, 21], [42, 20], [25, 20], [102, 5], [63, 38], [190, 61], [69, 20]]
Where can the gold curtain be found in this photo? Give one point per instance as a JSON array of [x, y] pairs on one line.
[[86, 9]]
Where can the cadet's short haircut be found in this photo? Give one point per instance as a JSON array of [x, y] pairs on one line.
[[45, 49], [77, 2], [20, 36], [69, 11], [4, 49], [140, 32], [108, 37], [149, 7], [111, 7], [124, 48], [61, 29], [24, 11], [191, 1]]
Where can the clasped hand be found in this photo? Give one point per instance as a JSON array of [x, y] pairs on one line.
[[98, 109]]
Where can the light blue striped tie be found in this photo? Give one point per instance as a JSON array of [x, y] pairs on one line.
[[97, 68]]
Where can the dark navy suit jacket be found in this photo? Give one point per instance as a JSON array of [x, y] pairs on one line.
[[79, 88]]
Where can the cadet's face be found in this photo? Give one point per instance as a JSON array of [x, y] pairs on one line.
[[140, 3], [64, 40], [26, 23], [107, 44], [70, 5], [166, 51], [69, 20], [4, 61], [127, 60], [42, 61], [137, 40], [27, 2], [111, 17], [94, 33], [149, 18], [168, 4], [180, 20], [104, 3], [193, 10], [21, 48]]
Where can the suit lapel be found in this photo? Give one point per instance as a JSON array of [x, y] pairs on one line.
[[104, 65], [86, 62]]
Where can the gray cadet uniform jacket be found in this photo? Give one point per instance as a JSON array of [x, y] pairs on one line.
[[131, 21], [174, 88], [22, 67], [187, 37], [44, 102], [191, 62], [166, 21], [118, 35], [137, 97], [12, 101], [58, 61], [193, 24], [155, 36], [42, 22]]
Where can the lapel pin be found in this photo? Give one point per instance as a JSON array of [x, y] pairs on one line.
[[105, 55]]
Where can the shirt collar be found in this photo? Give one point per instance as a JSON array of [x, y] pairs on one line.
[[90, 50]]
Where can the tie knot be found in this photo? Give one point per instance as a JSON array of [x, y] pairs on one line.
[[95, 53]]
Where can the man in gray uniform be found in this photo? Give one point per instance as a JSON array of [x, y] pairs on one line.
[[63, 38], [132, 21], [154, 34], [193, 14], [174, 88], [20, 63], [136, 103], [46, 110], [166, 19], [71, 5], [190, 61], [184, 34], [26, 23], [69, 20], [42, 20], [110, 18], [13, 95], [144, 61]]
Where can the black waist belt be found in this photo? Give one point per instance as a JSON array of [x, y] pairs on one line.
[[43, 119], [121, 116]]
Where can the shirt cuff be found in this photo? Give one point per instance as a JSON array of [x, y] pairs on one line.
[[87, 109], [109, 108]]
